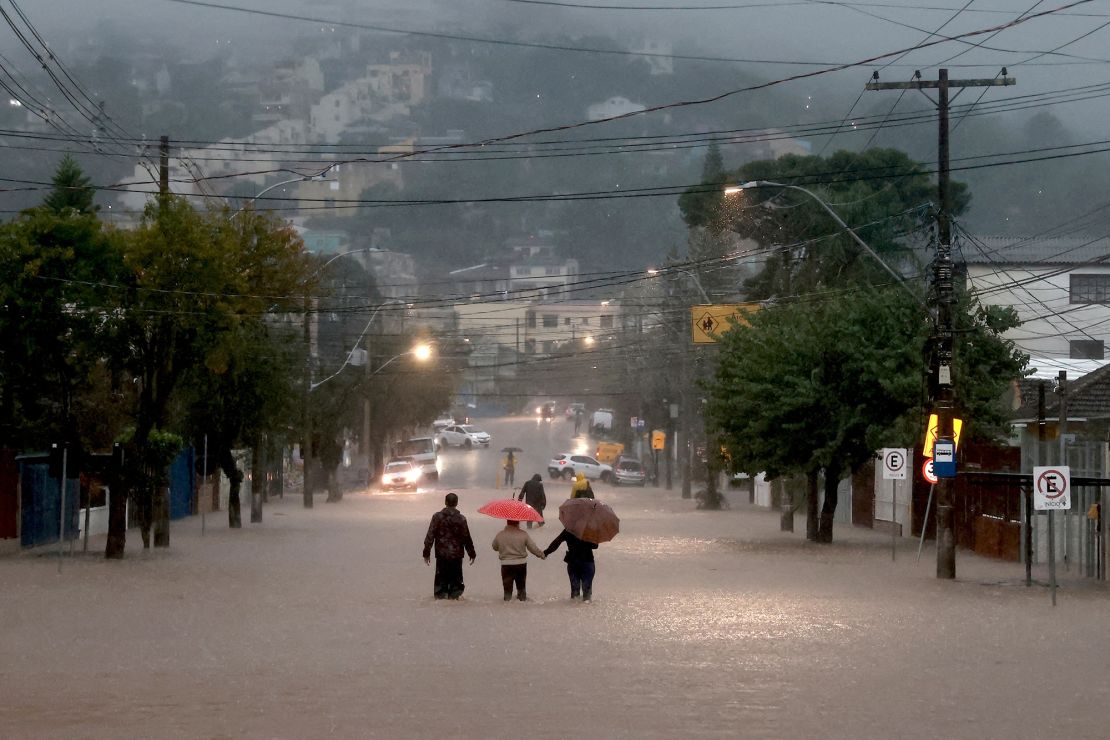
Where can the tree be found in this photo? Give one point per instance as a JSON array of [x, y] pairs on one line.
[[57, 266], [816, 386], [194, 280], [881, 193], [71, 189]]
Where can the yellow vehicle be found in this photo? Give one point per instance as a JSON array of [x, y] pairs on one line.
[[608, 452]]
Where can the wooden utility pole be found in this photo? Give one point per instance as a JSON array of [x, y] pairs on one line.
[[163, 166], [944, 400]]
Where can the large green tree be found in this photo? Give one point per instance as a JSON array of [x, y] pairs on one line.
[[816, 386], [882, 193], [193, 281], [56, 261]]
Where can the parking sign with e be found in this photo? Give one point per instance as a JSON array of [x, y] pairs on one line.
[[895, 463], [1051, 487]]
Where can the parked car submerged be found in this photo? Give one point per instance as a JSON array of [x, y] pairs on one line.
[[463, 435], [565, 465]]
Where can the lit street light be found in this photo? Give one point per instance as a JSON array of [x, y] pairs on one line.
[[754, 184]]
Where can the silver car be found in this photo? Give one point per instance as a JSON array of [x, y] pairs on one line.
[[628, 472]]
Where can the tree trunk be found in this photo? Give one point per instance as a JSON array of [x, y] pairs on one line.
[[258, 482], [786, 504], [235, 477], [309, 480], [335, 491], [144, 503], [811, 505], [712, 494], [117, 518], [828, 509], [234, 510], [161, 508]]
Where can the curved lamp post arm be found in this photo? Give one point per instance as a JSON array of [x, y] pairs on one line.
[[735, 189], [303, 178], [347, 360]]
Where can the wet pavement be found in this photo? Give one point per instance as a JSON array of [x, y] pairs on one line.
[[320, 623]]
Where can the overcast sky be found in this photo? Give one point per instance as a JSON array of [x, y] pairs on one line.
[[789, 31]]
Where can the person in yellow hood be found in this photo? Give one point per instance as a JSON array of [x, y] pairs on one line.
[[580, 488]]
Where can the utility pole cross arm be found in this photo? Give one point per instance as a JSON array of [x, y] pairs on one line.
[[934, 84]]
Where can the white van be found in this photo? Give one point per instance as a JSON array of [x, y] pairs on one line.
[[422, 450]]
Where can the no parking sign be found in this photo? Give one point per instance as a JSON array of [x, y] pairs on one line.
[[1051, 487]]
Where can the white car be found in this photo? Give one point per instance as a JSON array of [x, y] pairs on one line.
[[566, 466], [462, 435], [400, 474]]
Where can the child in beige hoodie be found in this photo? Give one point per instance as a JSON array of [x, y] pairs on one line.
[[513, 545]]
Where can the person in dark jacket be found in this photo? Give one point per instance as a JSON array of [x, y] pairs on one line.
[[580, 563], [533, 494], [450, 534]]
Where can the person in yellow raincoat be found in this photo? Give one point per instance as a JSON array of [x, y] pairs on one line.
[[580, 487]]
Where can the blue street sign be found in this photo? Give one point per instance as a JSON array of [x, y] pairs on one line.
[[944, 458]]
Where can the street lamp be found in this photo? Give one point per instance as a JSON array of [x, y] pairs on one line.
[[319, 176], [653, 272], [754, 184]]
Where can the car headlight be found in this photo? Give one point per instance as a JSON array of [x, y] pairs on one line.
[[414, 475]]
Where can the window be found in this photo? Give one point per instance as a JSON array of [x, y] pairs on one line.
[[1087, 349], [550, 321], [606, 322], [551, 271], [530, 319], [585, 321], [566, 321], [1090, 288]]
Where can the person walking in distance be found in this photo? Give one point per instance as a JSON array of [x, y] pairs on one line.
[[533, 494], [580, 563], [580, 487], [450, 534], [510, 469], [513, 545]]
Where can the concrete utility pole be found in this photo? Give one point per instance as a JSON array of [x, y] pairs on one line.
[[944, 401]]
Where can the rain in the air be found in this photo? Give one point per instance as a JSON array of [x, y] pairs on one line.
[[554, 368]]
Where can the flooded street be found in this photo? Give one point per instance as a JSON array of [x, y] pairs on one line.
[[321, 623]]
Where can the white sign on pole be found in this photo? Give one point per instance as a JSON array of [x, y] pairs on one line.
[[896, 460], [1051, 487]]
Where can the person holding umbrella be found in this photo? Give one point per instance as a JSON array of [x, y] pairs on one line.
[[513, 544], [580, 563], [586, 524], [533, 494], [510, 467], [450, 534]]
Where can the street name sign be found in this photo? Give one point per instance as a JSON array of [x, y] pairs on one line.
[[896, 461], [1051, 487]]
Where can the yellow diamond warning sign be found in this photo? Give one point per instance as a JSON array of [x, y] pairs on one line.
[[707, 323]]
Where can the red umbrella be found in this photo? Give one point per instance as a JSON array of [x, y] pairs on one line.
[[512, 510]]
